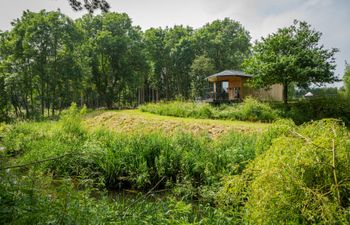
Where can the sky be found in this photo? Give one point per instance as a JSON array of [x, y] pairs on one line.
[[259, 17]]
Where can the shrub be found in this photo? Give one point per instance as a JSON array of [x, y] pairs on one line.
[[70, 120], [60, 144], [249, 110], [18, 137], [315, 109], [302, 178], [278, 128], [252, 110]]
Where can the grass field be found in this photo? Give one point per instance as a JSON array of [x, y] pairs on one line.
[[135, 120], [180, 170]]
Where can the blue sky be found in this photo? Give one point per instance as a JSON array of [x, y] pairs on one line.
[[259, 17]]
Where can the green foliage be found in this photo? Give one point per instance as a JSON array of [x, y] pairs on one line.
[[225, 41], [19, 137], [249, 110], [314, 109], [3, 127], [318, 92], [252, 110], [201, 68], [4, 103], [71, 120], [179, 109], [181, 56], [286, 174], [302, 178], [346, 79], [128, 160], [37, 58], [278, 128], [191, 167], [141, 160], [291, 55], [49, 61], [60, 141], [32, 199], [36, 199]]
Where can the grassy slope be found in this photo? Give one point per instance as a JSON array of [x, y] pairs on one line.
[[135, 120]]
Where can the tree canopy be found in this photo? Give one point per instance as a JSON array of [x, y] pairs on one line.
[[49, 60], [226, 42], [202, 67], [291, 55], [90, 5]]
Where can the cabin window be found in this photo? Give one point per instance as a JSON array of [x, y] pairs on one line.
[[224, 86]]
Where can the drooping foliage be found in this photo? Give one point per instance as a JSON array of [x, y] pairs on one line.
[[302, 178]]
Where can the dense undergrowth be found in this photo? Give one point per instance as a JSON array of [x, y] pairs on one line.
[[303, 178], [300, 112], [249, 110], [286, 174], [319, 108]]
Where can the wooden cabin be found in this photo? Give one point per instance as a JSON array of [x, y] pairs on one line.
[[230, 86]]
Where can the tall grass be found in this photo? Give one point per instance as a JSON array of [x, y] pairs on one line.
[[249, 110], [38, 199], [61, 164], [133, 160], [285, 174]]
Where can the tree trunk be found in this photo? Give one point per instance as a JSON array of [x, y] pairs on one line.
[[53, 101], [42, 97], [285, 94]]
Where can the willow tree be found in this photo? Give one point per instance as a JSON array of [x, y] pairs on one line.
[[291, 55]]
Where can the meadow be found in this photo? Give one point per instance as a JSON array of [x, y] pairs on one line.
[[129, 167]]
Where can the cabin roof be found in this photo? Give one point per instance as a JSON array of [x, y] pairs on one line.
[[228, 73]]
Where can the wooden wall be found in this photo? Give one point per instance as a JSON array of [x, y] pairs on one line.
[[274, 93]]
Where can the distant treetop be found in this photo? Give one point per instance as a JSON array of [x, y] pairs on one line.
[[90, 5]]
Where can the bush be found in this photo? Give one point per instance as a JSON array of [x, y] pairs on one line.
[[278, 128], [252, 110], [18, 137], [249, 110], [302, 178], [315, 109]]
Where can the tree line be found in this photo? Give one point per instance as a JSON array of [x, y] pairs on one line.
[[48, 60]]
